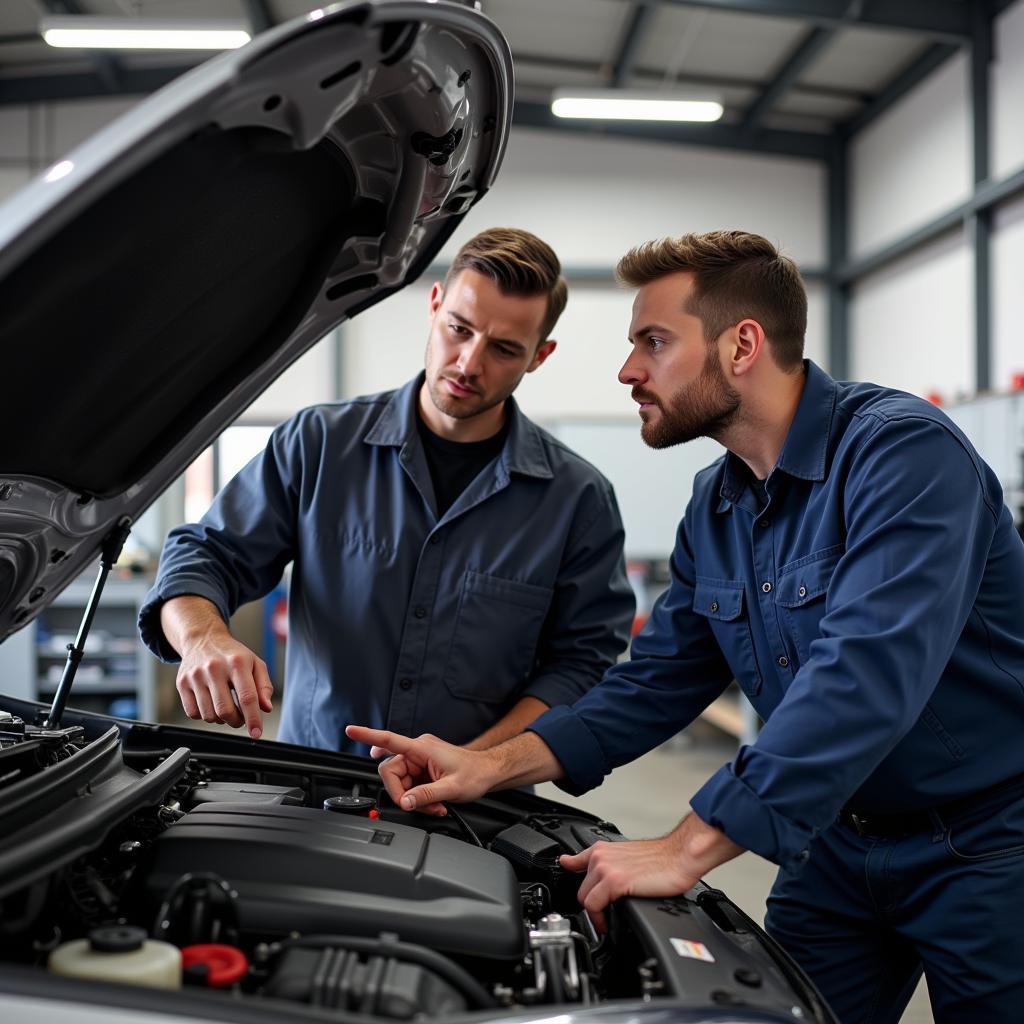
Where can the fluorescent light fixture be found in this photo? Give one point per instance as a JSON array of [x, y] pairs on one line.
[[630, 105], [87, 32]]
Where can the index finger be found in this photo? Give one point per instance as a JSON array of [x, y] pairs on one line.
[[244, 686], [393, 742], [576, 861]]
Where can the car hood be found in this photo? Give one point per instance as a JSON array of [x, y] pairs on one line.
[[163, 274]]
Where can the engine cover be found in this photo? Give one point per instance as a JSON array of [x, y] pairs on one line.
[[312, 871]]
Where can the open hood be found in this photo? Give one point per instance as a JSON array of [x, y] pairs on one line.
[[163, 274]]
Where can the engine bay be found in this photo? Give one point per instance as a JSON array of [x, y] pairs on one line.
[[260, 873]]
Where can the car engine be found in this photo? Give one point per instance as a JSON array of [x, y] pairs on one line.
[[274, 873]]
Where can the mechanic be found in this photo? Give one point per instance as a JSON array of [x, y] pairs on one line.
[[851, 563], [455, 568]]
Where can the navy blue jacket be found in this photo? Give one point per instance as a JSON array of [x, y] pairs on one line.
[[397, 619], [872, 610]]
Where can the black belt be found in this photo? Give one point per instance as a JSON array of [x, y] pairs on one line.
[[908, 823]]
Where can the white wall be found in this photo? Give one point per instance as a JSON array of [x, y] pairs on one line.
[[1008, 294], [913, 162], [912, 324], [1008, 92]]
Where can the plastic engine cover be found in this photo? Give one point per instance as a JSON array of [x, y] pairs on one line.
[[307, 870]]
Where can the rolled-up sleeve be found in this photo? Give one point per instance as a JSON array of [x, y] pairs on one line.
[[676, 670], [587, 626], [238, 550], [920, 525]]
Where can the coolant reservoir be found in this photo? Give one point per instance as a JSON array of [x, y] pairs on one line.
[[119, 953]]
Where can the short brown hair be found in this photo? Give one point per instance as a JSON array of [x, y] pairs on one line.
[[737, 275], [519, 263]]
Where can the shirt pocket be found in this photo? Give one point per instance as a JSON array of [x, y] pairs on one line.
[[494, 641], [721, 603], [800, 594]]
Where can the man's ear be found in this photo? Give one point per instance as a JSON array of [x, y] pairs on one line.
[[435, 299], [747, 344], [544, 349]]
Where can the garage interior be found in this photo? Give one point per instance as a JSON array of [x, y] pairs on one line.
[[881, 145]]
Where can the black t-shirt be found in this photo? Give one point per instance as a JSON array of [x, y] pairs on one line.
[[454, 465]]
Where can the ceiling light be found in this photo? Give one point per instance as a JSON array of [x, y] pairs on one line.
[[630, 105], [87, 32]]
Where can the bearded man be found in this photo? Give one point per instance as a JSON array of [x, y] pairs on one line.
[[851, 563]]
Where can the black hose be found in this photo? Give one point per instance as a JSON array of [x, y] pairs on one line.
[[464, 825], [457, 976]]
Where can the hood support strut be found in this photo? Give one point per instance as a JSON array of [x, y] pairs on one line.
[[112, 544]]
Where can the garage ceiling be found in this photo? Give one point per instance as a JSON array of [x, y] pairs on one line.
[[789, 72]]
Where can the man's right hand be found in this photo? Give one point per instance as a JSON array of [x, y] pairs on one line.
[[424, 772], [220, 680]]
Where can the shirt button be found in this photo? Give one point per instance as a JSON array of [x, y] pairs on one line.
[[766, 522], [406, 684], [420, 612], [714, 606], [783, 661], [802, 592], [766, 587], [435, 539]]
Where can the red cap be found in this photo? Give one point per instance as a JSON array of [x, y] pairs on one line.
[[224, 964]]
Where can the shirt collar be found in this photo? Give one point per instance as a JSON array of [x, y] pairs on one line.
[[805, 451], [524, 450]]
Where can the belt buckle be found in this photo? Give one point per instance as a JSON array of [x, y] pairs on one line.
[[860, 826]]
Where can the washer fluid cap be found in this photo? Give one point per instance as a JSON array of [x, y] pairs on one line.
[[350, 804], [221, 965], [117, 938]]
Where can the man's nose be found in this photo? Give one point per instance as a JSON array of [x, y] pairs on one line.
[[632, 373], [470, 358]]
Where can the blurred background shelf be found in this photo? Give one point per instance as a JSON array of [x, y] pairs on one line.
[[117, 675]]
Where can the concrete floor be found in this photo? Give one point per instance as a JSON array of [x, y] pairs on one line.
[[648, 797]]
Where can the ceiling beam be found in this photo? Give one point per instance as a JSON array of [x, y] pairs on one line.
[[80, 84], [804, 145], [711, 81], [638, 19], [942, 19], [802, 57]]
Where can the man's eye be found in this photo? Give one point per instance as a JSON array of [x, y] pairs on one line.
[[505, 351], [655, 342], [458, 329]]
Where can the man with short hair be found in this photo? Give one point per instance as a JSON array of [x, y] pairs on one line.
[[455, 568], [850, 562]]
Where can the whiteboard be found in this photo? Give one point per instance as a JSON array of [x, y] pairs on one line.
[[652, 487]]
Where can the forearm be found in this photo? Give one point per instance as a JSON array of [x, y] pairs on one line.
[[511, 724], [520, 761], [189, 619], [702, 846]]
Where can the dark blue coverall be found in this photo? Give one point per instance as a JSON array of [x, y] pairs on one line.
[[397, 617], [869, 600]]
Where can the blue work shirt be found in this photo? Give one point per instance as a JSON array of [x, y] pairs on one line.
[[869, 600], [398, 619]]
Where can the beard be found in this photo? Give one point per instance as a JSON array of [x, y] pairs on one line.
[[702, 408], [462, 408]]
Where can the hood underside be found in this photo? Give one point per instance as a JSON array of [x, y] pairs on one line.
[[160, 277]]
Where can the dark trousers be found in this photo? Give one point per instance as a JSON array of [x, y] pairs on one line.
[[865, 916]]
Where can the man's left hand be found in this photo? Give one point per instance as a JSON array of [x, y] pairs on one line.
[[649, 867]]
